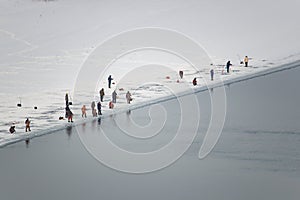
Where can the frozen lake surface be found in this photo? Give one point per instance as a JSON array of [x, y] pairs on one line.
[[257, 156]]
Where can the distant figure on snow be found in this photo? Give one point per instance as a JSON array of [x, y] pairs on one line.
[[67, 99], [27, 125], [93, 105], [181, 74], [228, 64], [195, 81], [99, 108], [94, 112], [69, 114], [109, 81], [246, 59], [83, 111], [128, 97], [111, 105], [12, 128], [114, 96], [101, 94], [212, 74]]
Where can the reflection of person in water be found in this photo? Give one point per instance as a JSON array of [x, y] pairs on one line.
[[69, 131], [27, 143]]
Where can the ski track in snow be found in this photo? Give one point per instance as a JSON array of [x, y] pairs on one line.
[[31, 46]]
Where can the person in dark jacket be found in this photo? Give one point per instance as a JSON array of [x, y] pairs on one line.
[[181, 74], [212, 74], [195, 81], [228, 64], [109, 80], [67, 99], [99, 108], [101, 94]]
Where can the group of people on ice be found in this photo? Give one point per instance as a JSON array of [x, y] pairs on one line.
[[212, 72], [111, 104], [98, 111]]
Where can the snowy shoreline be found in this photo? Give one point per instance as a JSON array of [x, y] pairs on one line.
[[123, 109]]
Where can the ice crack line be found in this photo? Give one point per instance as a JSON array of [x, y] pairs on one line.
[[14, 37]]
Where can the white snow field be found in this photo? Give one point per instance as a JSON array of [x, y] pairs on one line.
[[45, 43]]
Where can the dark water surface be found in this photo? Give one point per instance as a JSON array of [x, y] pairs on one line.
[[257, 156]]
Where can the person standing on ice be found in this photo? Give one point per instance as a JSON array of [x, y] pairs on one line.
[[246, 59], [94, 112], [83, 111], [67, 99], [99, 108], [101, 94], [109, 80], [228, 64], [181, 74], [27, 125], [93, 105], [212, 74], [128, 97], [114, 96], [69, 114], [195, 81]]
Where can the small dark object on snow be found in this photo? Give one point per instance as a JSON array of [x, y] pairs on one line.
[[19, 105], [12, 129], [35, 107]]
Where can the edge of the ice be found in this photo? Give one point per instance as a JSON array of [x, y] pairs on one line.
[[218, 84]]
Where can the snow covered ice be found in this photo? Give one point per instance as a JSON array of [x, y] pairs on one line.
[[42, 50]]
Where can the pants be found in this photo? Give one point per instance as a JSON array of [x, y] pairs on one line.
[[27, 128]]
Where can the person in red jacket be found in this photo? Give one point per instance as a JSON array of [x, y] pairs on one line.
[[27, 123]]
